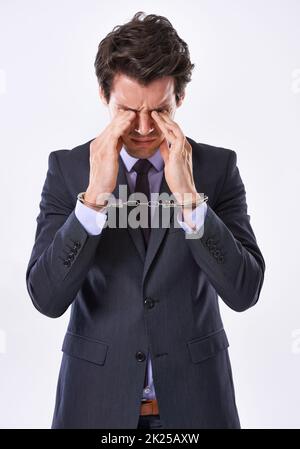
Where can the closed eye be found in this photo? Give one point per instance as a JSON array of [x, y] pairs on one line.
[[157, 110]]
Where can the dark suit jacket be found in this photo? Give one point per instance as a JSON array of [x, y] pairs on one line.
[[125, 301]]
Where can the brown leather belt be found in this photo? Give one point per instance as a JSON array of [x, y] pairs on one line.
[[149, 407]]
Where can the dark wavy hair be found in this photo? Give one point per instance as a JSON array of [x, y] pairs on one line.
[[144, 50]]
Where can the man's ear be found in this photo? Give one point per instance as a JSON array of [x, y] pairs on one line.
[[102, 97], [181, 98]]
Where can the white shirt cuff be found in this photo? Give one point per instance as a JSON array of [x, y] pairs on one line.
[[197, 216], [92, 221]]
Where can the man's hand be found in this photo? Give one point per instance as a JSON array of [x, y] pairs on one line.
[[104, 158], [177, 158]]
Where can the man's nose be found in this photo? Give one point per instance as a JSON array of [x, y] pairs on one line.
[[145, 123]]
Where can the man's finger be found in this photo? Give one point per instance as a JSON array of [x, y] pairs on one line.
[[169, 124], [163, 126], [164, 150]]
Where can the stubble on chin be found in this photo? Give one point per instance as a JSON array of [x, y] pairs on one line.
[[140, 153]]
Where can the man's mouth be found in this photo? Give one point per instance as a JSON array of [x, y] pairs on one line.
[[142, 140]]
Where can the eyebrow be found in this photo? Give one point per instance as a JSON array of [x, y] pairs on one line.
[[136, 110]]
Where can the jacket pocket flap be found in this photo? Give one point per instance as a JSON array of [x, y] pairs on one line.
[[85, 348], [205, 347]]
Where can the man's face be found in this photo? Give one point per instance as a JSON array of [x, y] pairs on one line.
[[126, 94]]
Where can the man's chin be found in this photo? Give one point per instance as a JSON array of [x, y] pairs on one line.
[[143, 151]]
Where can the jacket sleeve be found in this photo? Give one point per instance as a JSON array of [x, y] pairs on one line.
[[228, 251], [63, 250]]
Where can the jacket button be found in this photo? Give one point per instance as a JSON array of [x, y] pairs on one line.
[[140, 356], [217, 253], [149, 303], [77, 245], [210, 242], [67, 263], [71, 256]]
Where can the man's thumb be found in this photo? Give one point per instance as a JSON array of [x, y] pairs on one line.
[[164, 150]]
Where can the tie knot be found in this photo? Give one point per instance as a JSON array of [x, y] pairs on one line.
[[142, 166]]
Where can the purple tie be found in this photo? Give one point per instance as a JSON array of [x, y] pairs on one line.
[[142, 166]]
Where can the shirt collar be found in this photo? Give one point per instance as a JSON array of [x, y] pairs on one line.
[[129, 161]]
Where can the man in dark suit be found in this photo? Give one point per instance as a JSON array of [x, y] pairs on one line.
[[145, 344]]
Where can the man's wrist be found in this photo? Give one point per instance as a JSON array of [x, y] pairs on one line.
[[96, 197], [97, 202], [187, 216], [96, 209], [189, 201]]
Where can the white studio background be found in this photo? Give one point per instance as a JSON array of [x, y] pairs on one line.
[[244, 95]]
